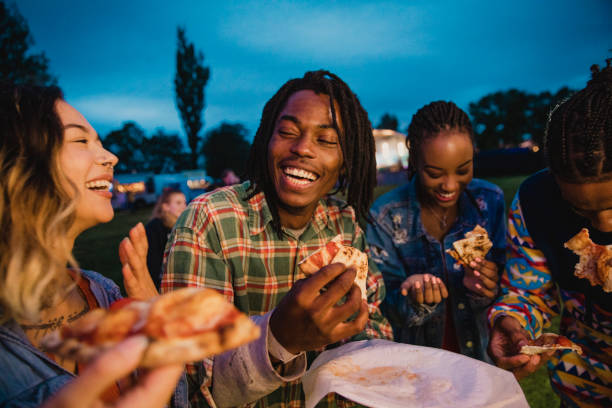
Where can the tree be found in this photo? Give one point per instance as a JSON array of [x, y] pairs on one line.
[[507, 118], [226, 147], [126, 143], [16, 65], [388, 122], [164, 153], [189, 82]]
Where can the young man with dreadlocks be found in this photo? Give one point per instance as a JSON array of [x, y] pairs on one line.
[[431, 300], [550, 207], [246, 241]]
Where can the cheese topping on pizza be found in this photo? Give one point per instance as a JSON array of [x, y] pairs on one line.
[[476, 244], [595, 262]]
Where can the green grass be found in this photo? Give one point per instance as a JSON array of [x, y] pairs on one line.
[[96, 249]]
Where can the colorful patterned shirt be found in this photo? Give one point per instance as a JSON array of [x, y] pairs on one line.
[[530, 295], [226, 242]]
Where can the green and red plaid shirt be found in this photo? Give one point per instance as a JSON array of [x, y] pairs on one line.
[[225, 242]]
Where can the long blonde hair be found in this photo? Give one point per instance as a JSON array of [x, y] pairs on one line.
[[36, 212]]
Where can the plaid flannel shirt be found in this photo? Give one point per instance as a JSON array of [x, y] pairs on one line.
[[225, 242]]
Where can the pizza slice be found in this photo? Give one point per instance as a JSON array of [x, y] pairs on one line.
[[476, 244], [595, 262], [182, 326], [335, 252], [550, 341]]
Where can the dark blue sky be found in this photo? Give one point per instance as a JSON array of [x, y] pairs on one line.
[[115, 59]]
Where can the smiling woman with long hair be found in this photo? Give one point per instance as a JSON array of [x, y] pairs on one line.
[[55, 177]]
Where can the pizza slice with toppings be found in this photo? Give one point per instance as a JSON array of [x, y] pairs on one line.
[[595, 262], [183, 326], [476, 244], [335, 252], [550, 341]]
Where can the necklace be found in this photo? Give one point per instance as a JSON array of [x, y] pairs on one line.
[[443, 219]]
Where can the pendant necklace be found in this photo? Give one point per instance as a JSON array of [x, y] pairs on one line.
[[443, 219]]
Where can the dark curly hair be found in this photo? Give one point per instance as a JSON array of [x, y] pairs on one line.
[[578, 138]]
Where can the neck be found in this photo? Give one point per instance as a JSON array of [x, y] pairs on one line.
[[295, 219]]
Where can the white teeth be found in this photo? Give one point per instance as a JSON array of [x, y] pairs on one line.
[[98, 184], [447, 195], [293, 171]]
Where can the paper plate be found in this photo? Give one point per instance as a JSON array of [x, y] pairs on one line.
[[381, 373]]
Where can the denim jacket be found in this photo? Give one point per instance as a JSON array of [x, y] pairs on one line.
[[401, 247], [29, 377]]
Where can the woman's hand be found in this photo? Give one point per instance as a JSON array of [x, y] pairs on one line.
[[152, 389], [481, 277], [507, 338], [133, 255], [424, 288]]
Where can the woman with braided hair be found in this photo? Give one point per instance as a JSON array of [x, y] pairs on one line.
[[431, 300], [551, 206]]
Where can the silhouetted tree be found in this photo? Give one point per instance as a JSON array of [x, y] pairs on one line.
[[189, 82], [388, 122], [126, 143], [164, 153], [226, 147], [16, 64], [506, 118]]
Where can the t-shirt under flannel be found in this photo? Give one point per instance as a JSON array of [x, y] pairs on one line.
[[225, 242]]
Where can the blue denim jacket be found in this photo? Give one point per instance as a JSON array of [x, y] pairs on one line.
[[29, 377], [400, 246]]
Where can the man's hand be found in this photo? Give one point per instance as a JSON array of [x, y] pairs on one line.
[[481, 277], [307, 319], [153, 388], [424, 288], [133, 255], [507, 338]]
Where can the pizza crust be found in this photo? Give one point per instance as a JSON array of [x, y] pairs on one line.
[[182, 326], [550, 342]]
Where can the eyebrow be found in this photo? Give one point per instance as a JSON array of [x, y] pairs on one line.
[[80, 127], [295, 120], [587, 210], [439, 168]]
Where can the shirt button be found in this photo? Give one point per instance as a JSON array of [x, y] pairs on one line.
[[461, 306], [469, 344]]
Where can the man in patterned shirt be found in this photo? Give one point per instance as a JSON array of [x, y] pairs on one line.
[[551, 206], [247, 240]]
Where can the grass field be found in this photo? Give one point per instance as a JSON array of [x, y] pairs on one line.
[[96, 249]]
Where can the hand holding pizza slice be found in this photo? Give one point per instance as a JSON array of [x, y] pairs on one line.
[[335, 252], [595, 263], [550, 342], [182, 326]]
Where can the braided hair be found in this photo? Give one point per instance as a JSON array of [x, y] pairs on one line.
[[430, 120], [358, 176], [578, 138]]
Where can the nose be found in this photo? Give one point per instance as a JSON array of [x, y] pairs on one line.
[[602, 220], [450, 184], [107, 158], [302, 146]]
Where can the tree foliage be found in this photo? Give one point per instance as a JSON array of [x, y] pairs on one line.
[[189, 82], [17, 65], [160, 153], [226, 147], [507, 118], [388, 121]]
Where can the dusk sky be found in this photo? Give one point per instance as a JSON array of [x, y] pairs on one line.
[[115, 60]]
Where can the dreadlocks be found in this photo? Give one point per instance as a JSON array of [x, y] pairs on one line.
[[356, 141], [430, 120], [578, 138]]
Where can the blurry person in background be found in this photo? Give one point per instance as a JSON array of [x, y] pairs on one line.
[[229, 177], [55, 184], [431, 299], [169, 206], [539, 281]]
